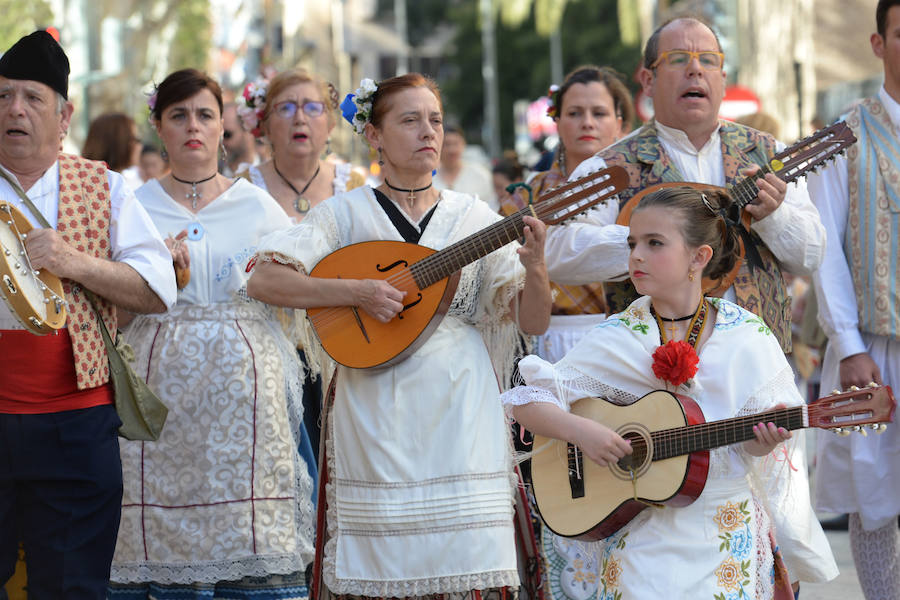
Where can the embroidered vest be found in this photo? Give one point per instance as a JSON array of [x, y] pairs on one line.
[[873, 219], [83, 222], [762, 291]]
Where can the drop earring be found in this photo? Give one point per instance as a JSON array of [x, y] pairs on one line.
[[380, 158], [328, 147]]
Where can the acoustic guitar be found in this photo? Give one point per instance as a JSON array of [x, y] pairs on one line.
[[35, 297], [788, 165], [669, 463], [429, 277]]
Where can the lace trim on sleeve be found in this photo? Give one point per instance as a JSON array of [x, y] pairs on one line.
[[281, 259]]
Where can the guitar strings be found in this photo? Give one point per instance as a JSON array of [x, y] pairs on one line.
[[462, 249], [685, 434], [429, 271]]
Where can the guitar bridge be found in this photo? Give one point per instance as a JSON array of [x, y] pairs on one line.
[[576, 470]]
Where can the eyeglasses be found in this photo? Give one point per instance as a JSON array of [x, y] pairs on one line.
[[709, 60], [287, 109]]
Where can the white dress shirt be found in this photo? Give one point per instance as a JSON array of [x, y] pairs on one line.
[[834, 284], [793, 232], [863, 473], [133, 237]]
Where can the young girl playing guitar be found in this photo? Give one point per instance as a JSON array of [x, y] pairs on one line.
[[725, 358]]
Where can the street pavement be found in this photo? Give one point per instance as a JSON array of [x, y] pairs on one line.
[[845, 586]]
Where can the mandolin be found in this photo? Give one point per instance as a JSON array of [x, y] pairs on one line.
[[788, 165], [669, 463], [35, 297], [429, 277]]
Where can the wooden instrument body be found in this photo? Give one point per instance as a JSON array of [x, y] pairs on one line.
[[429, 277], [373, 343], [35, 299], [608, 502], [670, 441], [711, 287]]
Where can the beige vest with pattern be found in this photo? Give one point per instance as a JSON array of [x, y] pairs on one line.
[[83, 222]]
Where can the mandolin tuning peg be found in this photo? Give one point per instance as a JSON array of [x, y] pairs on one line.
[[856, 428], [873, 426], [863, 432], [854, 388], [838, 430], [881, 428], [871, 384], [835, 392]]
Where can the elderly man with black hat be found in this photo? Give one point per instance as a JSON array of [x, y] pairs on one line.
[[60, 474]]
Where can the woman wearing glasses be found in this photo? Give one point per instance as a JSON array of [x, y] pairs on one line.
[[295, 111], [220, 505]]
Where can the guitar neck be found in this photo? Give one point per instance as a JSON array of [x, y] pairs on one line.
[[451, 259], [668, 443], [745, 191]]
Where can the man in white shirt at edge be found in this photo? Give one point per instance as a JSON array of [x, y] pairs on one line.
[[687, 142], [856, 288], [60, 471]]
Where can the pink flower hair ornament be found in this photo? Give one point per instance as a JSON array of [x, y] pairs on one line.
[[251, 106]]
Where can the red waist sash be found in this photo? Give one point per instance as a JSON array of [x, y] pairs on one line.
[[38, 375]]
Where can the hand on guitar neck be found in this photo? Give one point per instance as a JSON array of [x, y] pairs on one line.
[[772, 191], [768, 436]]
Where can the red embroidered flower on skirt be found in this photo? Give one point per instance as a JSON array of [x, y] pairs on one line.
[[675, 362]]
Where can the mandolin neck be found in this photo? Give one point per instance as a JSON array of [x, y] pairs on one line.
[[706, 436], [451, 259]]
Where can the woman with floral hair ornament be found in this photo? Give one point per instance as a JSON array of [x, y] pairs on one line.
[[296, 112], [724, 358], [420, 478], [592, 109]]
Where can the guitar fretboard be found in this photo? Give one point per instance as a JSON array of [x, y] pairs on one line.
[[451, 259], [668, 443]]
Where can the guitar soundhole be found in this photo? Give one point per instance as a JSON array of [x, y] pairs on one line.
[[641, 453]]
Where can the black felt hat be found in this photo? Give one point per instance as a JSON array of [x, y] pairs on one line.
[[37, 57]]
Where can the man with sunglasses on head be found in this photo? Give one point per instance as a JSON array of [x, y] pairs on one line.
[[687, 142], [240, 146]]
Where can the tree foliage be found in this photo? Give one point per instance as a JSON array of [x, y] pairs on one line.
[[21, 18], [193, 38], [590, 35]]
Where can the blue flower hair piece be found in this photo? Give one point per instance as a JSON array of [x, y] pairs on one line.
[[357, 107]]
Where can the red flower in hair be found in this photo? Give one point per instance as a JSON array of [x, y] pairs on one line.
[[675, 362]]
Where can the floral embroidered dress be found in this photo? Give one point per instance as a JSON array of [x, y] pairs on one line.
[[223, 494], [420, 492], [719, 546]]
